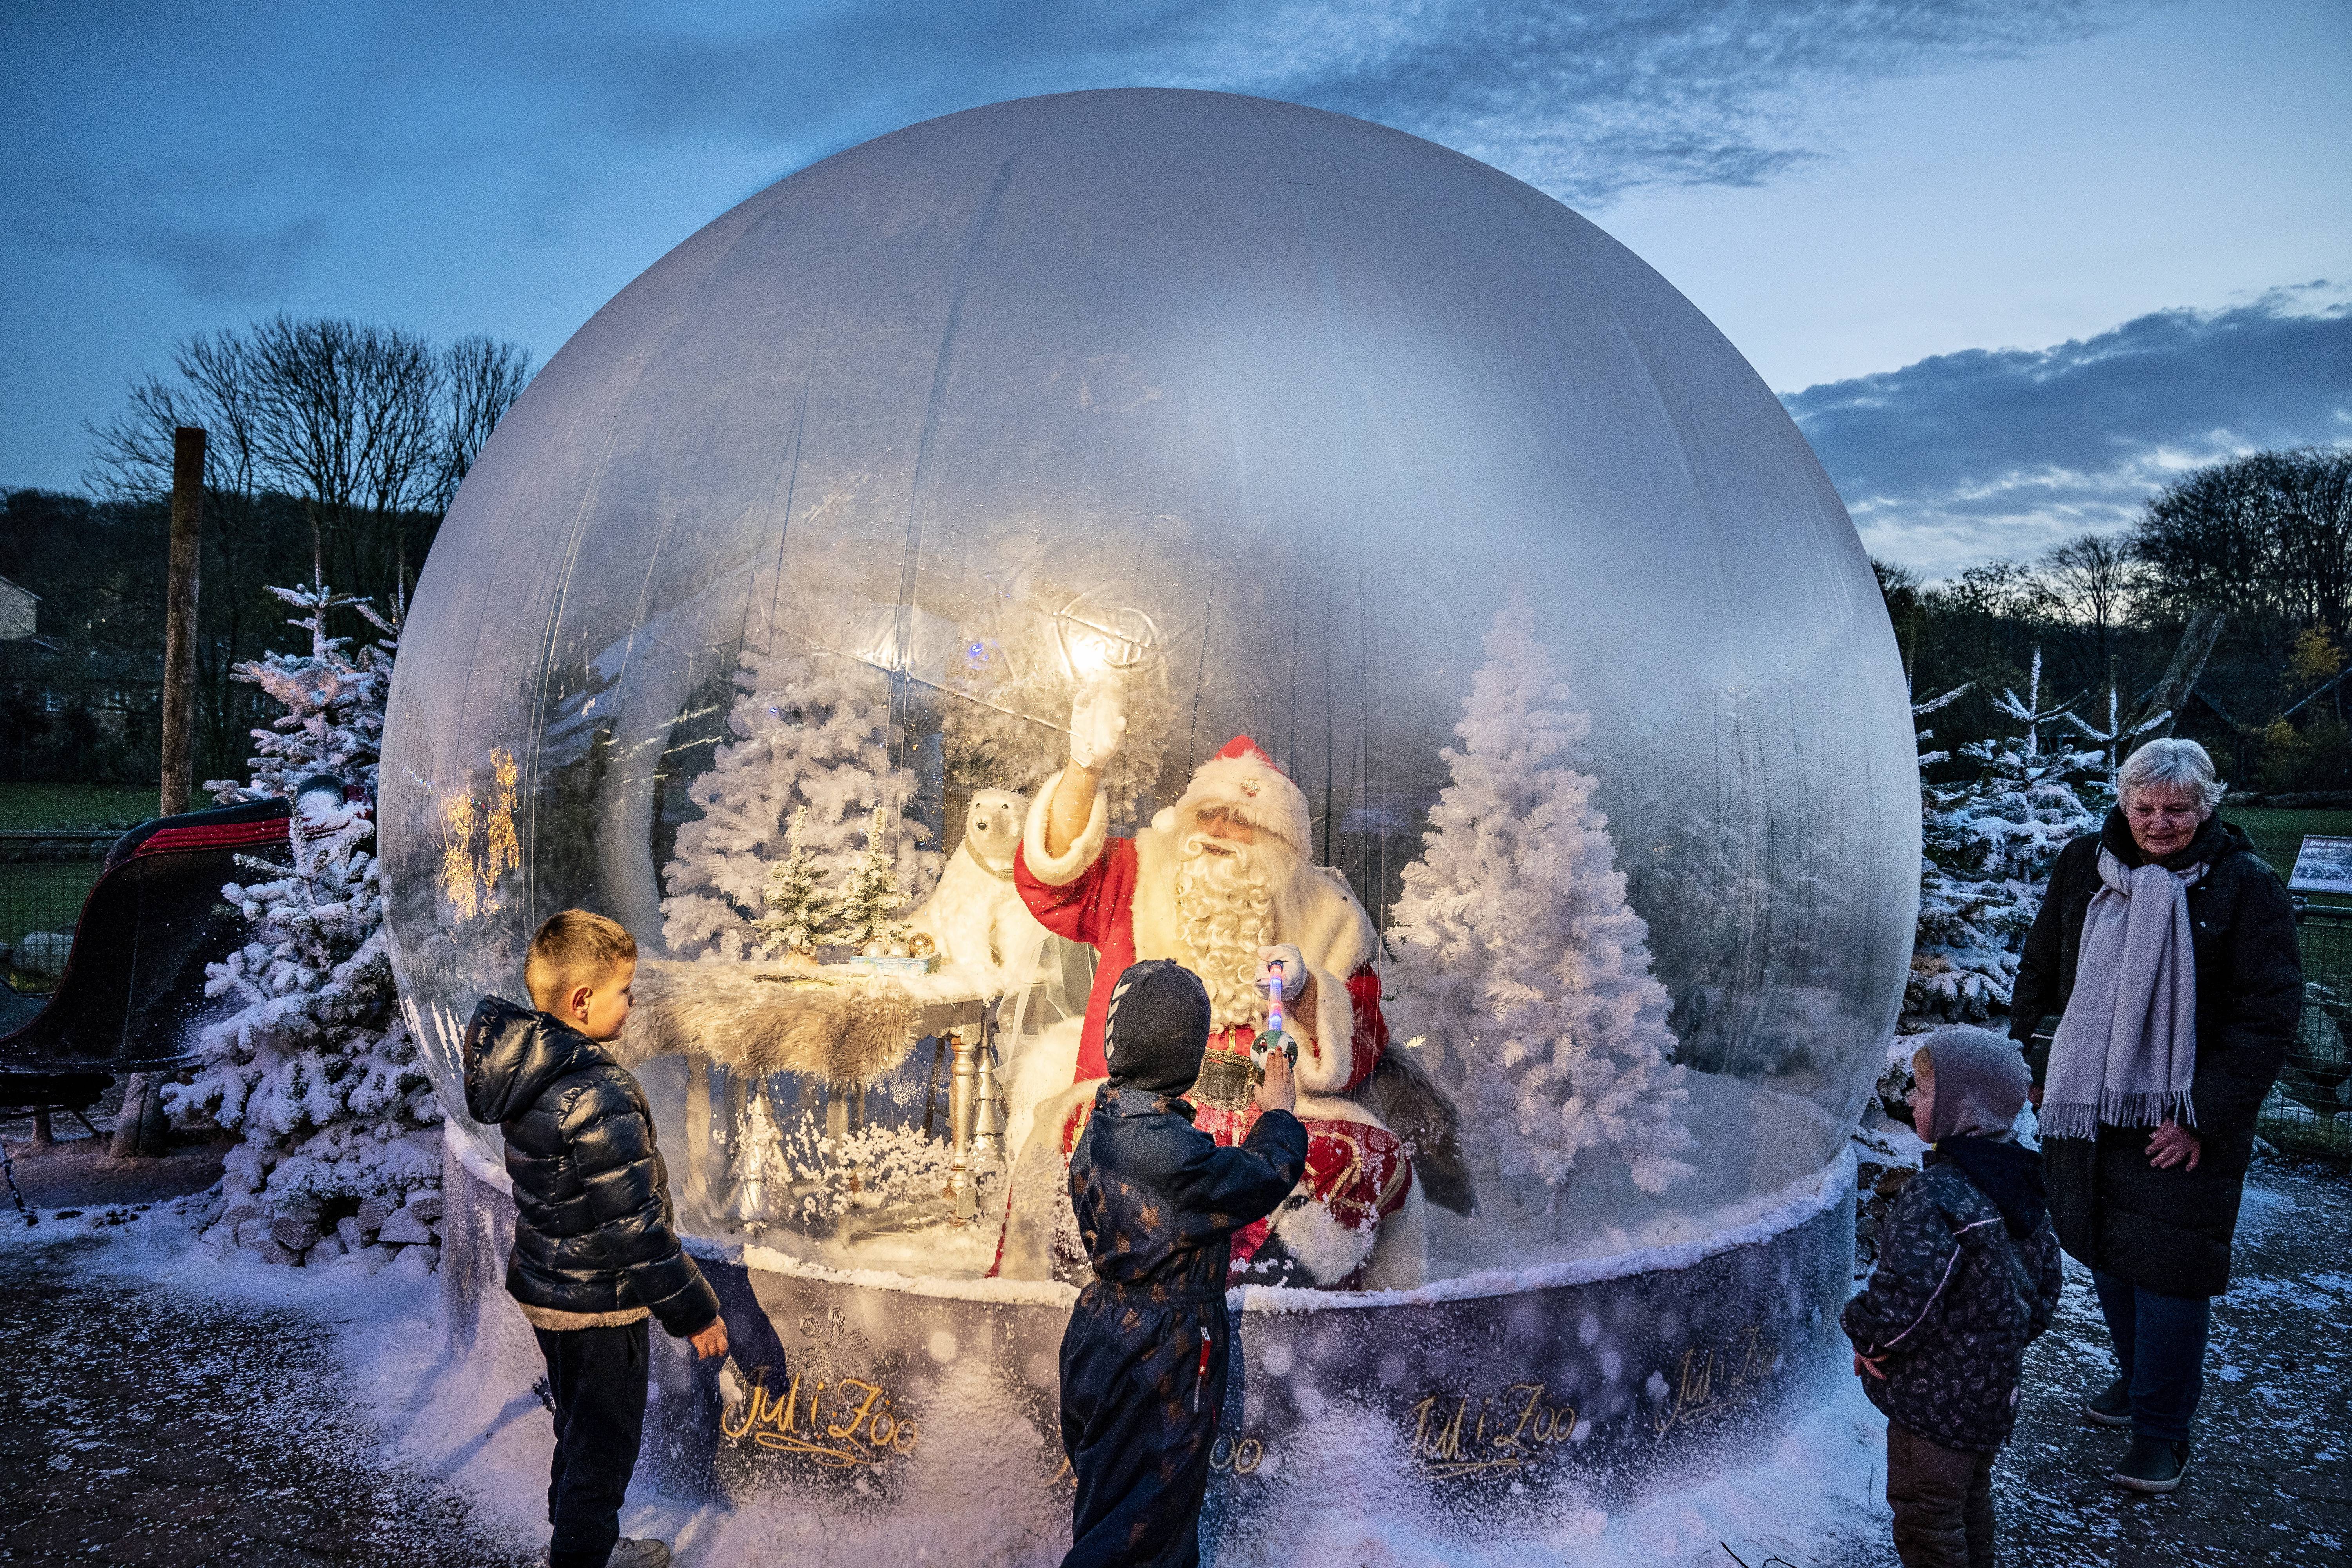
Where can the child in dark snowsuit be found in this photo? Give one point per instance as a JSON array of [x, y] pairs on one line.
[[1143, 1361], [1968, 1276]]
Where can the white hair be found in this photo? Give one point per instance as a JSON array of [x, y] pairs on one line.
[[2172, 765]]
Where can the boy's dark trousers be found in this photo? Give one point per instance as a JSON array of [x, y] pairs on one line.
[[1138, 1446], [1942, 1500], [598, 1376]]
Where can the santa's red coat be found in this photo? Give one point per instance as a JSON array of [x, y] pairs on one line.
[[1100, 890]]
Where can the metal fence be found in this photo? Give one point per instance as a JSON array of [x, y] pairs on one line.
[[2310, 1111], [44, 877]]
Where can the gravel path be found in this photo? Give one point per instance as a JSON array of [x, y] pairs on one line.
[[2269, 1480], [140, 1426]]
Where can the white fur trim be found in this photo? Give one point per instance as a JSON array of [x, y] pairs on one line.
[[1329, 1250], [1061, 870], [1258, 791]]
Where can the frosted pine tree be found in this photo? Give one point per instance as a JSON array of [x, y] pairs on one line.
[[308, 1059], [1516, 953], [1988, 842], [333, 721], [862, 914], [810, 730], [800, 913]]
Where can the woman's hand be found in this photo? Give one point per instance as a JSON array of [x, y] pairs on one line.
[[2173, 1144], [712, 1342]]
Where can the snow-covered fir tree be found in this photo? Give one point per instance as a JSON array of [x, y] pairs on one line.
[[334, 698], [810, 730], [871, 895], [1517, 954], [1988, 842], [309, 1060], [800, 912]]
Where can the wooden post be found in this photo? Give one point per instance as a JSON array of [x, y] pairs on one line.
[[140, 1129], [180, 619]]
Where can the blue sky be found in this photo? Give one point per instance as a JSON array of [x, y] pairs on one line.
[[2010, 264]]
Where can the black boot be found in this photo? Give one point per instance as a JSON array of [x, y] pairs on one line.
[[2111, 1406], [2153, 1464]]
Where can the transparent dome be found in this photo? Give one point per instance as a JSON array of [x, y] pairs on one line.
[[1269, 417]]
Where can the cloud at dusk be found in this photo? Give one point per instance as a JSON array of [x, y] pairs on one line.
[[1963, 456]]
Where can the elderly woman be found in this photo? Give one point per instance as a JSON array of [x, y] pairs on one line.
[[2168, 948]]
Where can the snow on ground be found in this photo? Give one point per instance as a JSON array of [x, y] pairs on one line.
[[454, 1456]]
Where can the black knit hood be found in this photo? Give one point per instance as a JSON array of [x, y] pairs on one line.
[[513, 1053], [2009, 1174], [1156, 1027]]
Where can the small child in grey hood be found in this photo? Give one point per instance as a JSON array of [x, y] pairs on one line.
[[1968, 1275]]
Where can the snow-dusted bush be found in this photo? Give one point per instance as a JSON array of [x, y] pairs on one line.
[[1989, 844], [310, 1061], [812, 729], [1517, 954]]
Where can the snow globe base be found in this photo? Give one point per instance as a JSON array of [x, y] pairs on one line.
[[1476, 1408]]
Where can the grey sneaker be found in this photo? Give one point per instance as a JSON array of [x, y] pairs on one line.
[[629, 1553], [2111, 1406], [2153, 1464]]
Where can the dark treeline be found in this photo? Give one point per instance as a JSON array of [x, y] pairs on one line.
[[2251, 557], [333, 447]]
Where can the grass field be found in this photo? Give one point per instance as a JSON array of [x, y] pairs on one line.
[[24, 806]]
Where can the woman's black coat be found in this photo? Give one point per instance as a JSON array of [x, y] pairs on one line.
[[594, 1231], [2168, 1231]]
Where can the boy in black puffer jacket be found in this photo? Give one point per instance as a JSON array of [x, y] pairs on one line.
[[1968, 1276], [1143, 1361], [594, 1253]]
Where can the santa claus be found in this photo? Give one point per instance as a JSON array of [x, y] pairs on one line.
[[1221, 883]]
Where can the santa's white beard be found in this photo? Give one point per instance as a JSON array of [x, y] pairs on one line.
[[1225, 904]]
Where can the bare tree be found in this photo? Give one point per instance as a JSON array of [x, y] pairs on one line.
[[368, 427], [2093, 577], [482, 377]]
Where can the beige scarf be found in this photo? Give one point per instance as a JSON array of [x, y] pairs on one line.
[[2126, 1050]]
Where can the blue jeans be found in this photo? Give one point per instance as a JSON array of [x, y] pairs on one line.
[[2159, 1350]]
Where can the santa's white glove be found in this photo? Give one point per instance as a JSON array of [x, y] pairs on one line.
[[1291, 977], [1097, 725]]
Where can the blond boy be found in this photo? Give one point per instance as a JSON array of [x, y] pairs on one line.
[[596, 1250]]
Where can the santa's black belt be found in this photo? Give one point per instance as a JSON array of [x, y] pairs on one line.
[[1224, 1081]]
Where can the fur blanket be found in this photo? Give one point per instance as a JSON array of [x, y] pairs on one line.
[[757, 1018]]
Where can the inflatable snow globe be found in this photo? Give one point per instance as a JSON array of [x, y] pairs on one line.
[[1159, 524]]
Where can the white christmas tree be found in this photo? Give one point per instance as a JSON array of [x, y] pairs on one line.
[[1989, 844], [312, 1064], [800, 914], [1517, 955], [811, 731], [871, 894]]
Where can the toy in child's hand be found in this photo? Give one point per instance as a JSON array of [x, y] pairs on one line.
[[1272, 978]]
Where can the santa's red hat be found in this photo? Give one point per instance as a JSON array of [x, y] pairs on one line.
[[1244, 781]]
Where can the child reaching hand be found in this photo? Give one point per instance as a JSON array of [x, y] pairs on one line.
[[1143, 1361], [1968, 1276], [595, 1249]]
